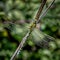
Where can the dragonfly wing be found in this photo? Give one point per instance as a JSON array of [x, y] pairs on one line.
[[41, 39]]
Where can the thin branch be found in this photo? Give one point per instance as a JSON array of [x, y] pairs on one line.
[[29, 32]]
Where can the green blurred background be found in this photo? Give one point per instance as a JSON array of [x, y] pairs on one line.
[[21, 13]]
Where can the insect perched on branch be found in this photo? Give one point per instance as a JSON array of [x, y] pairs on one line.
[[42, 39]]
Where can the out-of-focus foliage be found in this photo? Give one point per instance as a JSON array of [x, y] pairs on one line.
[[11, 34]]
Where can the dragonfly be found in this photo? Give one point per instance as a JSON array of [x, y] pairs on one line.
[[41, 39], [38, 37]]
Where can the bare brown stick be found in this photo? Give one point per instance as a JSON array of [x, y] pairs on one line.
[[25, 38]]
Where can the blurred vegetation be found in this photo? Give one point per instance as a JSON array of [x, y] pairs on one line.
[[21, 13]]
